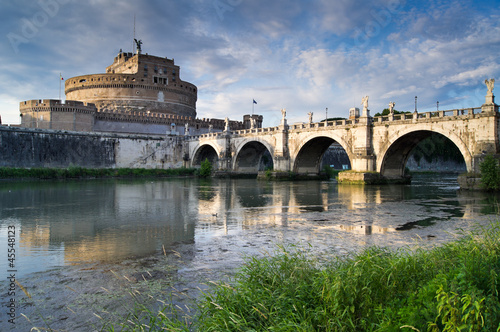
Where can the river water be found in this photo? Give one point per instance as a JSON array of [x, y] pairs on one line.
[[85, 251]]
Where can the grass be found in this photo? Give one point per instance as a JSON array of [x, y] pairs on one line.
[[453, 287], [80, 172]]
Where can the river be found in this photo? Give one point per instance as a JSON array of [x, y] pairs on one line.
[[86, 250]]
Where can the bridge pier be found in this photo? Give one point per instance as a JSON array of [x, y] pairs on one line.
[[281, 160], [226, 156]]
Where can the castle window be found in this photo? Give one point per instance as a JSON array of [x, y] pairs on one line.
[[156, 69]]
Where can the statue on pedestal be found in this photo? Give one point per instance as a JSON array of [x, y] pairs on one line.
[[253, 123], [489, 104], [138, 44], [310, 117], [490, 84], [364, 102], [186, 129], [391, 107]]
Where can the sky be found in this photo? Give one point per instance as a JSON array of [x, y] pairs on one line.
[[320, 56]]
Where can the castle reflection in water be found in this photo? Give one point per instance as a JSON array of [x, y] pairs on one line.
[[111, 220]]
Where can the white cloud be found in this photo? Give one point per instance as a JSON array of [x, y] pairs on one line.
[[302, 55]]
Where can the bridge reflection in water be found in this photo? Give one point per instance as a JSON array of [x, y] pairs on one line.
[[63, 223]]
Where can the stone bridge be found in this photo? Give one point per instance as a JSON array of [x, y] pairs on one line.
[[373, 144]]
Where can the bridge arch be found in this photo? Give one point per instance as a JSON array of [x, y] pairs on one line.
[[205, 151], [309, 153], [396, 152], [252, 156]]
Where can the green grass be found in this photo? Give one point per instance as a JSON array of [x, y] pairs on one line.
[[80, 172], [453, 287]]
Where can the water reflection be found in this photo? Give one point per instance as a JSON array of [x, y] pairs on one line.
[[64, 223]]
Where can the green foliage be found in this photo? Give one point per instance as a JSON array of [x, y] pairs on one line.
[[437, 146], [490, 173], [386, 112], [206, 169], [448, 288], [74, 172], [331, 172]]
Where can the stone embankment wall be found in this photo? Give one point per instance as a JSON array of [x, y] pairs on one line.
[[27, 148]]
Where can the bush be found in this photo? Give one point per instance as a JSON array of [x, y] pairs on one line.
[[206, 169], [490, 173], [77, 172]]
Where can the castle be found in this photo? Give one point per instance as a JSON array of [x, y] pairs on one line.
[[139, 93]]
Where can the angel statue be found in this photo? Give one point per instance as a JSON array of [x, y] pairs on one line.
[[138, 44], [283, 113], [391, 107], [490, 84], [364, 102]]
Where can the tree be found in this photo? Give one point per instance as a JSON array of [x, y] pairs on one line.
[[205, 169], [490, 173]]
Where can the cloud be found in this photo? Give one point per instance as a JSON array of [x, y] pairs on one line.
[[302, 55]]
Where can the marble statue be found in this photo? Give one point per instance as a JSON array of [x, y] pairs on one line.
[[391, 107], [364, 102], [490, 84], [310, 117], [283, 113]]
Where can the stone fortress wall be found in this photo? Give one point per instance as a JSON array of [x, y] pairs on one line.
[[73, 115]]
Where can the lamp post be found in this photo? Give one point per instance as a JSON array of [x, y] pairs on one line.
[[437, 106]]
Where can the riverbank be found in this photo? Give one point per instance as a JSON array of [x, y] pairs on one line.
[[448, 288], [85, 173]]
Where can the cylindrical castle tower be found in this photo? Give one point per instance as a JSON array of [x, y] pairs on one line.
[[136, 82]]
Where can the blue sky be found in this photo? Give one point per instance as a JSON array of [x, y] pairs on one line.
[[301, 55]]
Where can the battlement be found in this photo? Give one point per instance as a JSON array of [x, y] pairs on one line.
[[166, 119], [56, 114], [56, 105], [129, 63]]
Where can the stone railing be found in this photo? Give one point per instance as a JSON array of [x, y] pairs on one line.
[[415, 116]]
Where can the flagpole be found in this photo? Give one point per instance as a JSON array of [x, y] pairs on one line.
[[253, 104], [60, 79]]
